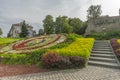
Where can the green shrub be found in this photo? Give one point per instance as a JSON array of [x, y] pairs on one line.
[[80, 47], [13, 58], [69, 40], [105, 35], [27, 59], [34, 57], [72, 37]]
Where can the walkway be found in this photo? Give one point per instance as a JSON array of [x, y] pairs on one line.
[[102, 66]]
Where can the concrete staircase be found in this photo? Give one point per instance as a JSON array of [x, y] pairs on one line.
[[103, 55]]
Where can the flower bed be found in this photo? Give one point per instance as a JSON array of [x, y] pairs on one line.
[[75, 54], [116, 46], [25, 46]]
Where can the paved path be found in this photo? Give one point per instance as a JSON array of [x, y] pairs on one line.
[[94, 71], [89, 73]]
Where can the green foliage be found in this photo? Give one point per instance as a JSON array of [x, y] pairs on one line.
[[1, 31], [105, 35], [48, 24], [94, 11], [27, 59], [13, 58], [8, 40], [34, 57], [80, 47], [24, 31], [41, 32], [69, 40], [78, 26], [62, 25]]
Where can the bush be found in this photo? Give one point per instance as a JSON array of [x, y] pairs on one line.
[[117, 52], [80, 47], [64, 62], [50, 60], [105, 35], [116, 46], [78, 61], [72, 37], [54, 60]]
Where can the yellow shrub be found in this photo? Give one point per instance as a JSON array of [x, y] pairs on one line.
[[80, 47], [118, 41]]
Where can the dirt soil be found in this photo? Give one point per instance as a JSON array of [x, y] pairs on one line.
[[12, 70]]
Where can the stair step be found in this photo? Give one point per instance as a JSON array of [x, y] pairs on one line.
[[101, 41], [102, 49], [103, 55], [103, 52], [102, 45], [104, 64], [111, 60]]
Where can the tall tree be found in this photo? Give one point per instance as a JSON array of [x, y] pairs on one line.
[[1, 31], [41, 32], [48, 24], [94, 11], [78, 25], [24, 30], [62, 25]]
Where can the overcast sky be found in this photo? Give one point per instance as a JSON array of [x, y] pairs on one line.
[[34, 11]]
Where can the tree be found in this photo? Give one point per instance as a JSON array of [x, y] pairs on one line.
[[62, 25], [24, 30], [1, 31], [41, 32], [48, 24], [94, 11], [78, 25]]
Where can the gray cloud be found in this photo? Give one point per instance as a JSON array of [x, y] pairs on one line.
[[34, 11]]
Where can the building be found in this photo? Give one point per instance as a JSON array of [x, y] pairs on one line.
[[16, 30]]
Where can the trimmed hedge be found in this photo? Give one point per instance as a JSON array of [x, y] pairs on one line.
[[54, 60], [80, 47]]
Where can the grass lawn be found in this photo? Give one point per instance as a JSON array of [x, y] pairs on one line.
[[4, 41]]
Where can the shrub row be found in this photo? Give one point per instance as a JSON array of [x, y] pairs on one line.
[[54, 60], [105, 35], [116, 46]]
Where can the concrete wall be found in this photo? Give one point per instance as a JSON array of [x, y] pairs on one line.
[[103, 24]]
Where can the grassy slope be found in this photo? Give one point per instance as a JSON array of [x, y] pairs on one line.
[[7, 40], [80, 47]]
